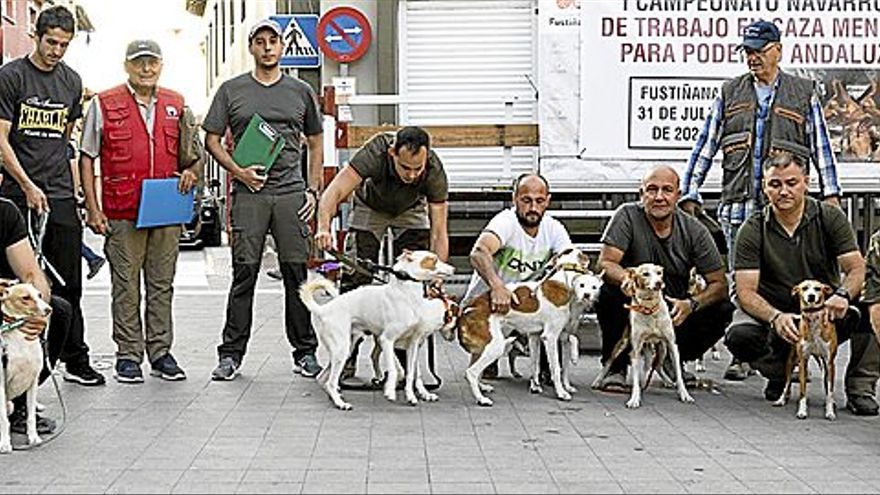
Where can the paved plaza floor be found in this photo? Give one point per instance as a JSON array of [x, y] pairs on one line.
[[271, 431]]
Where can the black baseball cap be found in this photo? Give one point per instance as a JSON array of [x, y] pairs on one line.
[[758, 34], [143, 48]]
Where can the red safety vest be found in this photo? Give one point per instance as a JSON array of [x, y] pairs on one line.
[[126, 155]]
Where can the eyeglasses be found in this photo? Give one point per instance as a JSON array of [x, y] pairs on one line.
[[762, 51]]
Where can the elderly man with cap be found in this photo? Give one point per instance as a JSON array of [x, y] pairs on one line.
[[269, 197], [134, 129], [758, 114]]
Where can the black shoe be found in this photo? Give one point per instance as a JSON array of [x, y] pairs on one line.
[[166, 368], [735, 371], [128, 371], [83, 374], [95, 266], [774, 389], [18, 423], [307, 366], [862, 405], [274, 274]]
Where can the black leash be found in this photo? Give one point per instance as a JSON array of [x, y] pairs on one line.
[[369, 267]]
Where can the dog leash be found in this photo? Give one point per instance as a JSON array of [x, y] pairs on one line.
[[368, 267], [37, 243]]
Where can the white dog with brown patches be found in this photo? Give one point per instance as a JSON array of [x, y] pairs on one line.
[[652, 334], [23, 356], [398, 311], [541, 310]]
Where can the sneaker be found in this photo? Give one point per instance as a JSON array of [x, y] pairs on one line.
[[307, 366], [18, 423], [166, 368], [128, 371], [735, 371], [274, 274], [95, 266], [83, 374], [774, 388], [226, 370], [614, 381], [862, 405]]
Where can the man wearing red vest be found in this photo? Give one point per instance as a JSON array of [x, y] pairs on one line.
[[134, 129]]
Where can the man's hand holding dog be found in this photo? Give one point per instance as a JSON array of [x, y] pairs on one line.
[[34, 326], [783, 324], [679, 310], [501, 299], [837, 307]]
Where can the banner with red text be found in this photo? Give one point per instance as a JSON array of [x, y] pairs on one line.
[[650, 70]]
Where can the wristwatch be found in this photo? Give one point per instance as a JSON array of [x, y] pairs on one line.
[[842, 292], [695, 305]]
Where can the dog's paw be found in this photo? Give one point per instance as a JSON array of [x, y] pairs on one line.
[[391, 395], [699, 367], [6, 447], [686, 398], [486, 388], [569, 388], [563, 396], [343, 406], [484, 401], [801, 415], [516, 374], [633, 403], [35, 440], [430, 397], [535, 388], [830, 416], [779, 402]]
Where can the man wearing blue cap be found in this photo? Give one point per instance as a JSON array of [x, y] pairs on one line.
[[758, 114]]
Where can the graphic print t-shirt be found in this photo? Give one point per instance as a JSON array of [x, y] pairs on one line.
[[520, 255], [39, 105]]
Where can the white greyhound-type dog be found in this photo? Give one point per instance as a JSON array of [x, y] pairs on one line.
[[397, 311], [542, 311], [650, 329], [24, 356]]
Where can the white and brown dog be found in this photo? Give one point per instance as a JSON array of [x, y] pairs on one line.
[[651, 332], [817, 337], [542, 311], [23, 356], [396, 311]]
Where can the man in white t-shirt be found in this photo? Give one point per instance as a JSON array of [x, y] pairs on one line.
[[515, 245]]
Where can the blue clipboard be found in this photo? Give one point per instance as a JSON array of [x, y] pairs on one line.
[[162, 204]]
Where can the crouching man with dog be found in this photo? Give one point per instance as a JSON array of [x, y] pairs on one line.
[[20, 263], [655, 231], [796, 238], [395, 180]]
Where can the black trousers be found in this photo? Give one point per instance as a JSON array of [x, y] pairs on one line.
[[755, 343], [694, 337], [62, 247]]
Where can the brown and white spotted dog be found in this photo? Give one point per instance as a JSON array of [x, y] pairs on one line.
[[817, 337], [542, 311]]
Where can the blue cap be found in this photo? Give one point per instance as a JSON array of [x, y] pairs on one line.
[[758, 34]]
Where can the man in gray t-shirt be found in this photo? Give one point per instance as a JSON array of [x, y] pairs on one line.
[[655, 231], [263, 203]]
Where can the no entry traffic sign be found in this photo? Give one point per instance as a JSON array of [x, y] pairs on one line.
[[344, 34]]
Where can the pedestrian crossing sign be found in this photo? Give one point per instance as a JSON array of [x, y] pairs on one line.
[[300, 40]]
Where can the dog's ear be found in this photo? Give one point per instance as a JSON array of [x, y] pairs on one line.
[[796, 290], [8, 282], [601, 275], [827, 290]]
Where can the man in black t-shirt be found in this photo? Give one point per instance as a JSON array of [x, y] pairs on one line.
[[18, 262], [39, 104], [399, 182]]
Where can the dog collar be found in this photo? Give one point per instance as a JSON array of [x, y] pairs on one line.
[[813, 310], [573, 267], [452, 309], [645, 310]]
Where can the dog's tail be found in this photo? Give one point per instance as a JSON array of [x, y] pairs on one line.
[[308, 289]]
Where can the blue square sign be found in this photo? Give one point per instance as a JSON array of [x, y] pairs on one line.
[[300, 40]]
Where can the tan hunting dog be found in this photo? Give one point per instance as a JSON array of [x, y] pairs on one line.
[[817, 337]]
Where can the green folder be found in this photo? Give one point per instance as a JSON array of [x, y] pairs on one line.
[[260, 144]]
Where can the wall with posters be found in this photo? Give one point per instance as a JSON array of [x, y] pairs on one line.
[[647, 71]]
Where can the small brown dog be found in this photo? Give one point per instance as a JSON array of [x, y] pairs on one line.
[[817, 337]]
